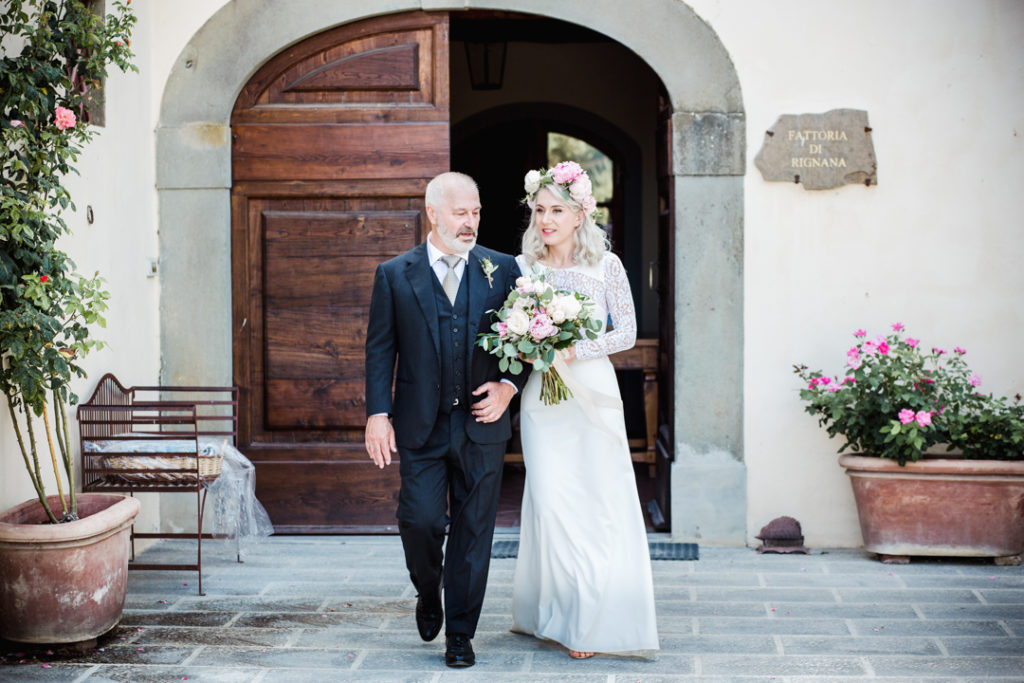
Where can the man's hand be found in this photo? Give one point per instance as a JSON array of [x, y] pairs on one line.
[[495, 400], [380, 440]]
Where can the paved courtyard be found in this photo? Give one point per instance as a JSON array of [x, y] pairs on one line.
[[340, 608]]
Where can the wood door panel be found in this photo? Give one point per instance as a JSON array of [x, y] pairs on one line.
[[325, 497], [393, 67], [334, 141], [388, 64], [320, 281], [340, 151], [315, 341], [322, 403], [337, 233]]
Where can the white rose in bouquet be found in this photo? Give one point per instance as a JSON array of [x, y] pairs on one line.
[[560, 308], [555, 311], [518, 322], [571, 306]]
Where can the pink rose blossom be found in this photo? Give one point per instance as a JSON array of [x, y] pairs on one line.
[[589, 205], [883, 349], [502, 330], [64, 118], [566, 172], [897, 326], [542, 328], [869, 347], [937, 351], [975, 379], [923, 418], [581, 188], [854, 362], [850, 378], [906, 416], [959, 350], [824, 381], [912, 343], [15, 123], [860, 333], [834, 388]]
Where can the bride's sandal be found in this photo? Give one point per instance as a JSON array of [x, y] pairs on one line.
[[576, 654]]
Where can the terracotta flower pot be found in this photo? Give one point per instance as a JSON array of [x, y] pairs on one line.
[[939, 507], [64, 583]]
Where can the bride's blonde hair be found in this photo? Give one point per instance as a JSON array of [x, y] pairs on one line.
[[591, 242]]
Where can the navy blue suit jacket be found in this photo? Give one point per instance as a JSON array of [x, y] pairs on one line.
[[403, 328]]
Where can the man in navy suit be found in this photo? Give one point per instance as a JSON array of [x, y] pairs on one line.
[[450, 408]]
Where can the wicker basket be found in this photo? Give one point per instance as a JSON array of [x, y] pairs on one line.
[[146, 469]]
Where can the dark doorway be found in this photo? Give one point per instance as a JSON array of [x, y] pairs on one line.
[[502, 131]]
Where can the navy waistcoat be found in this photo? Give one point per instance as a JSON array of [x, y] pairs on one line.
[[452, 328]]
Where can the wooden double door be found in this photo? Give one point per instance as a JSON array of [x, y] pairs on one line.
[[333, 142]]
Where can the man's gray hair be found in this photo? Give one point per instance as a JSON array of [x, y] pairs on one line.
[[439, 189]]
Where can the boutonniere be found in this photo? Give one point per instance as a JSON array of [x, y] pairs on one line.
[[488, 268]]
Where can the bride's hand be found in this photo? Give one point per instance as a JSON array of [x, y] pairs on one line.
[[568, 355]]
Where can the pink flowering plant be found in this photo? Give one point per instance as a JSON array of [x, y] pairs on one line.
[[896, 399], [51, 73], [534, 323]]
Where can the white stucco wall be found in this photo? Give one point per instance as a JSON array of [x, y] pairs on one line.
[[935, 245], [117, 180]]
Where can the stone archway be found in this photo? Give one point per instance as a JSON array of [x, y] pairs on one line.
[[707, 165]]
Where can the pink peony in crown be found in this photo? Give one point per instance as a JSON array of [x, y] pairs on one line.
[[569, 179]]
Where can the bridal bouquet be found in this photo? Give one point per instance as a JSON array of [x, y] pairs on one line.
[[535, 321]]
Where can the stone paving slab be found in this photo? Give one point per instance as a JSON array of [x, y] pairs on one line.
[[341, 609]]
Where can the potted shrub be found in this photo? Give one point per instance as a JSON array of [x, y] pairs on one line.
[[894, 402], [63, 557]]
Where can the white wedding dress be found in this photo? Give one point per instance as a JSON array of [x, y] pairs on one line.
[[583, 576]]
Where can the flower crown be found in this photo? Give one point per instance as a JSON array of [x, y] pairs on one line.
[[569, 179]]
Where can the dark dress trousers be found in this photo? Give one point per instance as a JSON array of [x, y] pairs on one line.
[[447, 459]]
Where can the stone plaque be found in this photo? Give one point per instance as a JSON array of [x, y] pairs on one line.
[[820, 151]]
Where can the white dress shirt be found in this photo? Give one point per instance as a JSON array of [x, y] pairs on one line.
[[435, 256]]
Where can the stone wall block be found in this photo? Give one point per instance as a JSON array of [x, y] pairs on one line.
[[708, 143]]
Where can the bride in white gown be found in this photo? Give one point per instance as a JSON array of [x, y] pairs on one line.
[[583, 576]]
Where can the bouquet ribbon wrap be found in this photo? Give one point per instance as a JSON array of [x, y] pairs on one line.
[[588, 399]]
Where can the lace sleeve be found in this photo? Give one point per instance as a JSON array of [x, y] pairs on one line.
[[619, 304]]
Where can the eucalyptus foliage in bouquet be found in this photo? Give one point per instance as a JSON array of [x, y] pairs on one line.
[[534, 323], [55, 56], [896, 400]]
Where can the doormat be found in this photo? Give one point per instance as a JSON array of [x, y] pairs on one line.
[[659, 550]]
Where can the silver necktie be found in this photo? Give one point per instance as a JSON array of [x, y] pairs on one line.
[[451, 281]]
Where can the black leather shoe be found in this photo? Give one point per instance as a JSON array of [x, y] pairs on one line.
[[459, 651], [429, 616]]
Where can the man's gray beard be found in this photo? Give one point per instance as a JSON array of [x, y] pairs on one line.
[[454, 244]]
